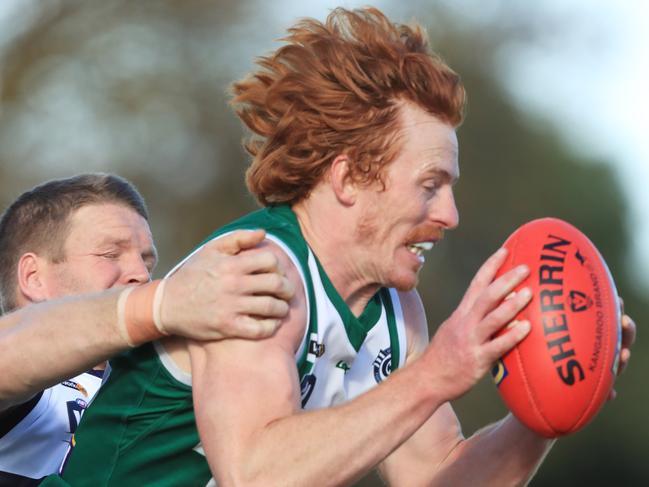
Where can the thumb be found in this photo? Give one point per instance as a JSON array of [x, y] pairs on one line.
[[240, 240]]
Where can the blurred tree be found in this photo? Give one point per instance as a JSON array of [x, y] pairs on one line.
[[139, 88], [516, 168]]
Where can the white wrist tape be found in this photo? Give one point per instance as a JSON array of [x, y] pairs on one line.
[[138, 313]]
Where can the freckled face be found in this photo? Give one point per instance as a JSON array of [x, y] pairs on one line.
[[108, 245], [417, 205]]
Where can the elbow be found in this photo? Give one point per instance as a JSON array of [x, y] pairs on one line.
[[14, 391], [9, 400], [251, 473], [241, 471], [237, 478]]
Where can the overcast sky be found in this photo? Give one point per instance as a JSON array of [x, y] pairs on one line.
[[599, 95]]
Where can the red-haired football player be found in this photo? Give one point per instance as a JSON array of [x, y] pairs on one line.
[[355, 157]]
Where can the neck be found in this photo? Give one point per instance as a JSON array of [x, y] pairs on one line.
[[336, 252]]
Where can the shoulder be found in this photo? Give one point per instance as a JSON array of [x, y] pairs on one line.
[[416, 325], [292, 330]]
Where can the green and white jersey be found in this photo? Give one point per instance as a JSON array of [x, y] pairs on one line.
[[141, 428]]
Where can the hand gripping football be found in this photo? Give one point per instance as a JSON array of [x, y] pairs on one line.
[[557, 379]]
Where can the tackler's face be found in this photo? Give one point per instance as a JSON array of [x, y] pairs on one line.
[[108, 245], [406, 219]]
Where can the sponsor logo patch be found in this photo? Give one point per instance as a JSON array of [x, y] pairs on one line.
[[75, 385], [314, 349]]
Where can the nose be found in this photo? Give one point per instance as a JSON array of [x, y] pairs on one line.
[[135, 271], [444, 210]]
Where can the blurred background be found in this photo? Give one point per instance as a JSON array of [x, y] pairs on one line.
[[556, 126]]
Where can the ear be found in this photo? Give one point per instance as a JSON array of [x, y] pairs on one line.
[[341, 182], [32, 284]]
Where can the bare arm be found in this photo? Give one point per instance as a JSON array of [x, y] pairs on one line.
[[51, 341], [216, 294], [246, 398], [501, 454]]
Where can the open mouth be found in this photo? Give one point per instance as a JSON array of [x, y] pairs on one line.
[[420, 247]]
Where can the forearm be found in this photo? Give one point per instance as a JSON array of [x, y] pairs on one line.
[[502, 454], [333, 446], [47, 342]]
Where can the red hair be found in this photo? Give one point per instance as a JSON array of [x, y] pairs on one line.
[[334, 89]]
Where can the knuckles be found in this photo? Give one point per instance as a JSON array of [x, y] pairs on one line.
[[276, 283]]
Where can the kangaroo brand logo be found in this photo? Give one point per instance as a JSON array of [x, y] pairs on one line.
[[579, 301], [382, 365]]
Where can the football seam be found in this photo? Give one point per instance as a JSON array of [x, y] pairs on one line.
[[521, 366], [530, 391]]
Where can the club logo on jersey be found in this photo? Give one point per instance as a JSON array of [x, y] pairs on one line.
[[499, 372], [75, 385], [382, 365], [306, 387]]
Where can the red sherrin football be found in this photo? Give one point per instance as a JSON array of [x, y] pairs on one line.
[[556, 380]]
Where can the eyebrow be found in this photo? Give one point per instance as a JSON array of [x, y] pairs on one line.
[[441, 174]]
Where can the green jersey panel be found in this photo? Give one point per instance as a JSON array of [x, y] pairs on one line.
[[141, 430]]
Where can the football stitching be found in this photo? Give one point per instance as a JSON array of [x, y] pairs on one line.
[[530, 391], [519, 360]]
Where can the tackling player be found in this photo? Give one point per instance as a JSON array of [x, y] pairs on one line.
[[87, 234]]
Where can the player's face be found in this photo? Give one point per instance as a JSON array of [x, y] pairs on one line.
[[108, 245], [417, 205]]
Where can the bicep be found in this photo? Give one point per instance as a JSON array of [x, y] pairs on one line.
[[231, 378]]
